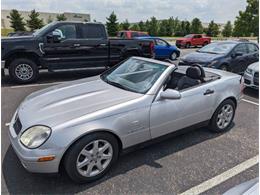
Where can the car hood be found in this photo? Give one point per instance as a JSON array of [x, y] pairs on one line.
[[56, 105], [200, 57], [254, 66], [18, 38]]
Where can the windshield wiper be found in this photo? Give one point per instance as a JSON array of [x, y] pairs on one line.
[[116, 84]]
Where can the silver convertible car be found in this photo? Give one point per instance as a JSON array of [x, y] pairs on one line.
[[84, 125]]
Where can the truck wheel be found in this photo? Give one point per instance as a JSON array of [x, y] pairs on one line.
[[23, 70], [187, 45], [91, 157], [223, 116]]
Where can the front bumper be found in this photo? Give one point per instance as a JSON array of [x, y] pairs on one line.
[[251, 81], [29, 157]]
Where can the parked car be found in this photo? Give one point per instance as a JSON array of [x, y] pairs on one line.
[[232, 56], [193, 40], [250, 187], [66, 46], [83, 125], [163, 49], [129, 34], [251, 76]]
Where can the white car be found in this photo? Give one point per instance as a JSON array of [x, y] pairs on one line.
[[251, 75]]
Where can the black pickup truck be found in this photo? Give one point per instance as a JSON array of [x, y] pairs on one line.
[[67, 46]]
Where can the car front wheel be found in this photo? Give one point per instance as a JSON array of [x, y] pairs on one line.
[[223, 116], [91, 157], [174, 56]]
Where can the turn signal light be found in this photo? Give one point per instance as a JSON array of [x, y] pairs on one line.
[[46, 158]]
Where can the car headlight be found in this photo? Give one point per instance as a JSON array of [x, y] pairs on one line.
[[212, 63], [35, 136], [249, 71]]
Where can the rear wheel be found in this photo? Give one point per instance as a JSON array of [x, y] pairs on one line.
[[23, 70], [223, 116], [91, 157], [187, 45], [174, 56], [224, 67]]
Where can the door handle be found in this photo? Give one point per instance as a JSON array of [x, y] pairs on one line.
[[76, 45], [208, 91]]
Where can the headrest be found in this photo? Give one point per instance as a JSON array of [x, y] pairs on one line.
[[193, 72]]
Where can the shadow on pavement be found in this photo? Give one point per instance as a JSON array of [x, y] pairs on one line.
[[251, 92], [19, 181]]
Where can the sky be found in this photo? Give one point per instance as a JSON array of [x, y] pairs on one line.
[[135, 10]]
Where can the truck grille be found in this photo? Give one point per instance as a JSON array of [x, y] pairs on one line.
[[256, 78], [17, 125]]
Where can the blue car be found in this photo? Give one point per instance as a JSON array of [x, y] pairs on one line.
[[164, 50]]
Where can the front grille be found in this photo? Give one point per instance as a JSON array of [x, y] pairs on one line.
[[256, 78], [17, 126]]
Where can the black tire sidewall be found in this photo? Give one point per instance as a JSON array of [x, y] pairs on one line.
[[31, 63], [73, 152], [213, 122]]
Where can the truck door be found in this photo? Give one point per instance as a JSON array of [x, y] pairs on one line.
[[60, 47]]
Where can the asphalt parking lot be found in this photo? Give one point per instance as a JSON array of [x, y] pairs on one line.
[[183, 164]]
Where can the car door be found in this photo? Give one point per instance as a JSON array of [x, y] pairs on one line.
[[196, 40], [253, 53], [162, 49], [194, 106], [239, 58], [61, 54]]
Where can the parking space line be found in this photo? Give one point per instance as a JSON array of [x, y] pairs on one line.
[[33, 85], [251, 102], [206, 185]]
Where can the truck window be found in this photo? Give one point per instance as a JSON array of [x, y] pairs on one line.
[[93, 31], [67, 31]]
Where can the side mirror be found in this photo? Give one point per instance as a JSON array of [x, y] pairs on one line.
[[170, 94], [236, 54], [55, 36]]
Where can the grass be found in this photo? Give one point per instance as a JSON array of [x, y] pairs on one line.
[[5, 31]]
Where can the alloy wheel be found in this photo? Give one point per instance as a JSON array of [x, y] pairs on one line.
[[225, 116], [24, 71], [94, 158]]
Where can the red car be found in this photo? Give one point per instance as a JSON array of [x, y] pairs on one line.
[[129, 34], [193, 40]]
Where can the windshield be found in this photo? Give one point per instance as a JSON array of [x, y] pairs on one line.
[[188, 36], [43, 29], [134, 75], [217, 48]]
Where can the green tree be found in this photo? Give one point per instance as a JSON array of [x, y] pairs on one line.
[[34, 21], [16, 21], [227, 30], [163, 28], [196, 26], [142, 26], [153, 26], [247, 22], [61, 17], [170, 27], [187, 27], [49, 19], [213, 29], [112, 24], [125, 25], [135, 27]]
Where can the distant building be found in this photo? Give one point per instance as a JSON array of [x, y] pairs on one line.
[[46, 16]]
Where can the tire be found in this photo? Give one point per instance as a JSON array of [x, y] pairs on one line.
[[23, 70], [188, 45], [224, 67], [215, 124], [205, 43], [174, 56], [73, 157]]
